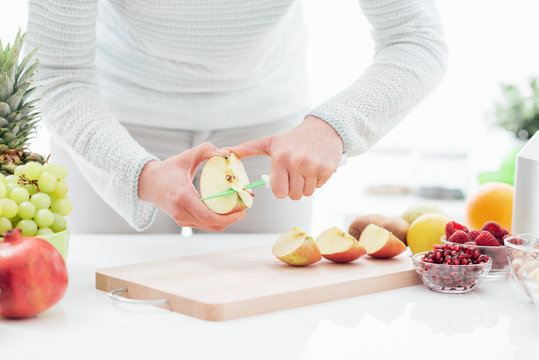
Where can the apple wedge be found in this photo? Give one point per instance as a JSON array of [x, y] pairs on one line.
[[296, 248], [222, 173], [380, 243], [338, 246]]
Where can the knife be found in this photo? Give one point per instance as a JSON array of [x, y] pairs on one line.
[[264, 181]]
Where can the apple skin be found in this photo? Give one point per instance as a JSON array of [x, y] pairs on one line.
[[306, 254], [392, 246], [349, 255], [33, 275]]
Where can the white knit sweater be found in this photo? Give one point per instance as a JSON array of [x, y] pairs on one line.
[[210, 64]]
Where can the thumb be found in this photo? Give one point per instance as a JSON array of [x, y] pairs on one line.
[[252, 148], [201, 153]]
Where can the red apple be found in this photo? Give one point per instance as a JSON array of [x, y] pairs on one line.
[[296, 248], [33, 275], [380, 243], [339, 246]]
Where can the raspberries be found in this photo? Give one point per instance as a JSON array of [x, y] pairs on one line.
[[459, 236], [495, 229], [485, 238], [473, 234], [453, 226]]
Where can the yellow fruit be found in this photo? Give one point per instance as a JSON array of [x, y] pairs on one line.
[[426, 231], [421, 208], [492, 201]]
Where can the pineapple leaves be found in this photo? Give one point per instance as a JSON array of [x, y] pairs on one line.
[[6, 86], [5, 110]]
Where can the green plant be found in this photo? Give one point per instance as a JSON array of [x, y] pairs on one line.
[[518, 112]]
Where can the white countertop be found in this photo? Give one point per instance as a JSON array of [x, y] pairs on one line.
[[496, 321]]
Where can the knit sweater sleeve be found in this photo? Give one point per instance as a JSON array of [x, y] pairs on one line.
[[410, 60], [102, 148]]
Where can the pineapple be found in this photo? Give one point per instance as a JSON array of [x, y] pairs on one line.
[[18, 115]]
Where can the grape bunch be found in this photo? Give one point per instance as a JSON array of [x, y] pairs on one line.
[[34, 199]]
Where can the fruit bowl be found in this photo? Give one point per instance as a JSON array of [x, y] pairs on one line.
[[500, 265], [452, 279], [59, 240], [531, 285], [523, 256]]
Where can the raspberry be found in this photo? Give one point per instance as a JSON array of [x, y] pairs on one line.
[[459, 236], [495, 229], [485, 238], [473, 234], [453, 226]]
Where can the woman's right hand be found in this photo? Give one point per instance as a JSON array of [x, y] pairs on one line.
[[169, 185]]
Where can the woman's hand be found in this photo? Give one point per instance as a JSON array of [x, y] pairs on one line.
[[302, 159], [169, 185]]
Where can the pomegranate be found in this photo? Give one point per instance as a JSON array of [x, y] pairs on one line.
[[33, 275]]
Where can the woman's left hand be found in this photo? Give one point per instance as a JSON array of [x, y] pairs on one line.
[[302, 159]]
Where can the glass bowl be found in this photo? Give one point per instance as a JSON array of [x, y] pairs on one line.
[[531, 285], [59, 240], [522, 252], [500, 265], [452, 279]]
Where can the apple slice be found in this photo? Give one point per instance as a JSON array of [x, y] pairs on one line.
[[296, 248], [339, 246], [222, 173], [380, 243]]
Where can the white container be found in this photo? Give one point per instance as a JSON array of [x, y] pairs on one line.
[[526, 199]]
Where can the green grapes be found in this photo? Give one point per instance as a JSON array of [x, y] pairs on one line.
[[9, 208], [61, 189], [59, 223], [41, 200], [44, 231], [19, 194], [18, 170], [62, 206], [28, 227], [34, 200], [32, 170], [27, 210], [12, 179], [43, 218], [5, 224], [46, 182]]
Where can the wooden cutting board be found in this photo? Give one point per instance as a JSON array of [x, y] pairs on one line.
[[243, 282]]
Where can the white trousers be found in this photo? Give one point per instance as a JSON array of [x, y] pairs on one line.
[[92, 215]]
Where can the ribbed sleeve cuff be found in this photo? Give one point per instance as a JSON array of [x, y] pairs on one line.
[[143, 212]]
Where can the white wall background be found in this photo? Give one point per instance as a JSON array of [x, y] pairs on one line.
[[490, 41]]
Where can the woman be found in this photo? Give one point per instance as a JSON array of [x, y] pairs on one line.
[[139, 93]]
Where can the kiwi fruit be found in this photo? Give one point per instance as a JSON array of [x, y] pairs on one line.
[[398, 226], [357, 226]]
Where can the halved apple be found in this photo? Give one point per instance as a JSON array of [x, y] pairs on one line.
[[339, 246], [380, 243], [296, 248], [222, 173]]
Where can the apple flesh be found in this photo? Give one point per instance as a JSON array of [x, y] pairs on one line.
[[296, 248], [338, 246], [33, 275], [380, 243], [222, 173]]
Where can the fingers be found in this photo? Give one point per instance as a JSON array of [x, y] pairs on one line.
[[279, 178], [252, 148], [297, 182], [310, 185], [207, 218]]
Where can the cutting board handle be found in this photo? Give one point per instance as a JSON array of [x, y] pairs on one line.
[[114, 296]]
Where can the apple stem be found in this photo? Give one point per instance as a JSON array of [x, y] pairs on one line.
[[12, 235]]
